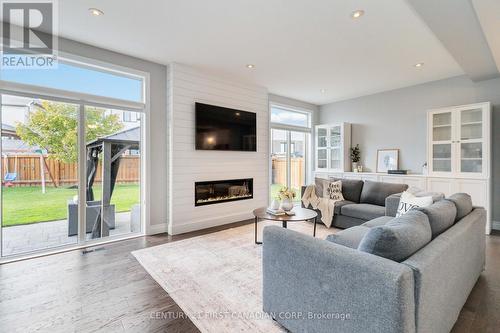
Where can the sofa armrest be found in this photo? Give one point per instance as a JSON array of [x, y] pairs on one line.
[[392, 204], [312, 285]]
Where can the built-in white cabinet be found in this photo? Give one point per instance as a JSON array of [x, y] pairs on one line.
[[332, 147], [459, 141]]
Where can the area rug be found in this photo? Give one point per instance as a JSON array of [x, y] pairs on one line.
[[216, 278]]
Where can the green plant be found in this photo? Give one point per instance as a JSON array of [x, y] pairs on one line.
[[355, 154], [286, 193], [53, 127]]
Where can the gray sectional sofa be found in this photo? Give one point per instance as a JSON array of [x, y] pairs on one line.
[[407, 274], [364, 200]]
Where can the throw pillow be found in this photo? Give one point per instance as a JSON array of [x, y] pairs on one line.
[[321, 185], [333, 191], [409, 201]]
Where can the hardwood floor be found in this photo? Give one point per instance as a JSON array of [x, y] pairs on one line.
[[106, 290]]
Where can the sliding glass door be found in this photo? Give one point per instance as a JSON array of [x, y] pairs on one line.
[[43, 141], [290, 140], [288, 160], [39, 174], [113, 172]]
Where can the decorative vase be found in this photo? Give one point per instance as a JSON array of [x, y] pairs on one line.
[[286, 205], [275, 204], [360, 168], [355, 166]]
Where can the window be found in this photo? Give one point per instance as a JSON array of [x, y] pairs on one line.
[[283, 116], [282, 147], [80, 78]]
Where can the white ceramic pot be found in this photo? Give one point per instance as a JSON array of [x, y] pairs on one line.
[[354, 166], [286, 205], [275, 204]]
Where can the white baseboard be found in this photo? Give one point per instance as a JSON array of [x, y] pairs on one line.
[[495, 225], [208, 223], [157, 229]]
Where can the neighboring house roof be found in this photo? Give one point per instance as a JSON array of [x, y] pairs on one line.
[[17, 146], [8, 130]]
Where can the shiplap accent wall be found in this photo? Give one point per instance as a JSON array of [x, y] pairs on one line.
[[187, 165]]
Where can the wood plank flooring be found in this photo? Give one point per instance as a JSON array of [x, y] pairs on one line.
[[108, 291]]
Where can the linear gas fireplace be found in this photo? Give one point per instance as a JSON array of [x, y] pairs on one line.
[[211, 192]]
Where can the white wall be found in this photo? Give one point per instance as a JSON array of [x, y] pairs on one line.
[[187, 165]]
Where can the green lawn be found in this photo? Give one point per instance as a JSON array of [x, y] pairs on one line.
[[24, 205]]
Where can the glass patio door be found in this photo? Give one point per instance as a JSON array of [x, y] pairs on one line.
[[39, 172], [113, 161], [42, 143], [288, 160]]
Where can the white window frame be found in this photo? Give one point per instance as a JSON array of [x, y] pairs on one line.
[[82, 99], [290, 128]]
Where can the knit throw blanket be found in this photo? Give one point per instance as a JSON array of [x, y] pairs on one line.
[[325, 205]]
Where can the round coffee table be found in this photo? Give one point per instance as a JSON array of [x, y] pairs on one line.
[[301, 214]]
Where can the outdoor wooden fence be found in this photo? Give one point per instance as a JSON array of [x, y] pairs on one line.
[[297, 168], [29, 170]]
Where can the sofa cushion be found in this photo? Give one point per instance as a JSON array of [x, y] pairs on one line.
[[375, 192], [399, 238], [441, 215], [378, 221], [351, 188], [363, 211], [349, 237], [463, 202], [340, 204]]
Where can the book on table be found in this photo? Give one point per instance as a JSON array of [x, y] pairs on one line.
[[280, 212], [277, 212]]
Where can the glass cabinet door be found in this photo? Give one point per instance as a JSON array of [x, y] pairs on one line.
[[471, 141], [442, 142], [335, 148], [322, 146]]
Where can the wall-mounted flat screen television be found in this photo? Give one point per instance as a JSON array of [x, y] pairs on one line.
[[219, 128]]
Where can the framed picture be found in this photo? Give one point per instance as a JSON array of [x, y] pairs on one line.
[[387, 159]]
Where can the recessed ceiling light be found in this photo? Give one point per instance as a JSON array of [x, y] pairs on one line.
[[322, 91], [357, 13], [96, 12], [250, 66], [418, 65]]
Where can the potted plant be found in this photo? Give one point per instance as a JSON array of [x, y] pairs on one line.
[[286, 195], [355, 157]]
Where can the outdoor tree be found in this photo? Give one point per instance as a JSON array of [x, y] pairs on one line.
[[54, 126]]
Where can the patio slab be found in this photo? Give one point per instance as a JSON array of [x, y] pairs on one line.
[[45, 235]]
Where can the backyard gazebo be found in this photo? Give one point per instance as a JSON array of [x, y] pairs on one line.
[[110, 148]]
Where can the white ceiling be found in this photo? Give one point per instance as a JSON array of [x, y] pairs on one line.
[[298, 47]]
